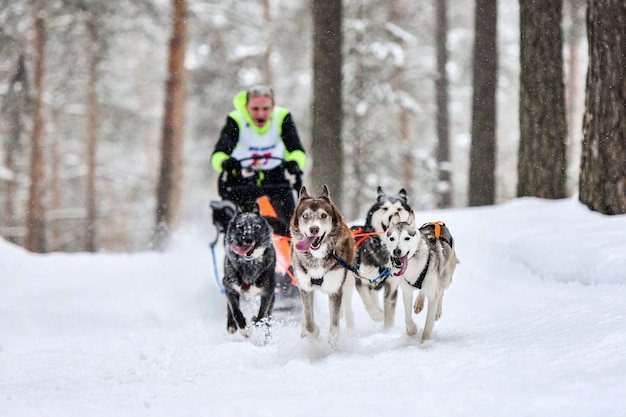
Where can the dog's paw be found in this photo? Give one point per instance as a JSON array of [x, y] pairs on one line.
[[333, 340], [310, 333], [231, 330], [411, 329], [389, 322], [246, 331], [419, 303], [376, 314]]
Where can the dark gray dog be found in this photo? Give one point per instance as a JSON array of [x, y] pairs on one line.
[[248, 268]]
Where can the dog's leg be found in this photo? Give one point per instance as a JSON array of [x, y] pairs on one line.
[[334, 304], [267, 296], [265, 309], [390, 299], [439, 307], [419, 302], [309, 328], [232, 298], [407, 299], [231, 326], [431, 311], [367, 295], [346, 302]]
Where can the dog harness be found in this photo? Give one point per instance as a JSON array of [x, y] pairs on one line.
[[420, 280], [317, 281], [437, 225], [374, 281]]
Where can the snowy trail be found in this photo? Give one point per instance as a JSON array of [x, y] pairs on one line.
[[533, 324]]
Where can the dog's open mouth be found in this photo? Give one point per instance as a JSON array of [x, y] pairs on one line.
[[310, 243], [400, 263], [244, 250]]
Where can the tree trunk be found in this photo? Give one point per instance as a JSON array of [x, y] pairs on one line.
[[92, 138], [35, 218], [483, 149], [168, 190], [16, 104], [327, 148], [573, 40], [267, 55], [396, 12], [603, 162], [444, 190], [542, 164]]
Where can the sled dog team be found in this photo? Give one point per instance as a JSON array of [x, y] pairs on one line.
[[387, 253]]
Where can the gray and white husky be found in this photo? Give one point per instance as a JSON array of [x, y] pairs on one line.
[[424, 259], [320, 236], [372, 257]]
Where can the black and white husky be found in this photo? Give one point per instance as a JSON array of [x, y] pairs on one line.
[[249, 266], [424, 259], [319, 238], [372, 256]]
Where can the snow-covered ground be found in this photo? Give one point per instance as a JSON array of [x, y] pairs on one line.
[[534, 324]]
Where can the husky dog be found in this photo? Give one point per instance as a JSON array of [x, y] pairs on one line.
[[249, 266], [423, 259], [320, 241], [372, 256]]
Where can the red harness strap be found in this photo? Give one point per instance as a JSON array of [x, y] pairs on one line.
[[357, 233]]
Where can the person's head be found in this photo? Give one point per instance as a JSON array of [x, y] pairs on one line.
[[259, 103]]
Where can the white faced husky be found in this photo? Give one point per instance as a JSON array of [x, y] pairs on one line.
[[319, 235], [424, 259], [372, 256]]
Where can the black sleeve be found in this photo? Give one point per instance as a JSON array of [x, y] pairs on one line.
[[228, 138], [290, 135]]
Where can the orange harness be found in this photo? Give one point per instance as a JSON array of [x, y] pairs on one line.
[[358, 233]]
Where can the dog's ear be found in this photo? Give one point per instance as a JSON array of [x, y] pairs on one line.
[[411, 218], [403, 196], [325, 192], [380, 193], [303, 194], [395, 219]]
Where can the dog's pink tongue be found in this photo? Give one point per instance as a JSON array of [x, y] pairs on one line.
[[305, 245], [241, 250], [404, 261]]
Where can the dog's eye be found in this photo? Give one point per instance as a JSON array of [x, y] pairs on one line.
[[392, 239], [407, 238], [305, 216], [324, 215]]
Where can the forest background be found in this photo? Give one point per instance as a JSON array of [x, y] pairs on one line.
[[102, 88]]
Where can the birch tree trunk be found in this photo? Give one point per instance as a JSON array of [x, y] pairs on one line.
[[444, 190]]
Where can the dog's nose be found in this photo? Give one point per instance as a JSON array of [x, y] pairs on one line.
[[314, 230], [397, 252]]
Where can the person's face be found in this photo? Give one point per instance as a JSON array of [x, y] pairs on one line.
[[259, 109]]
